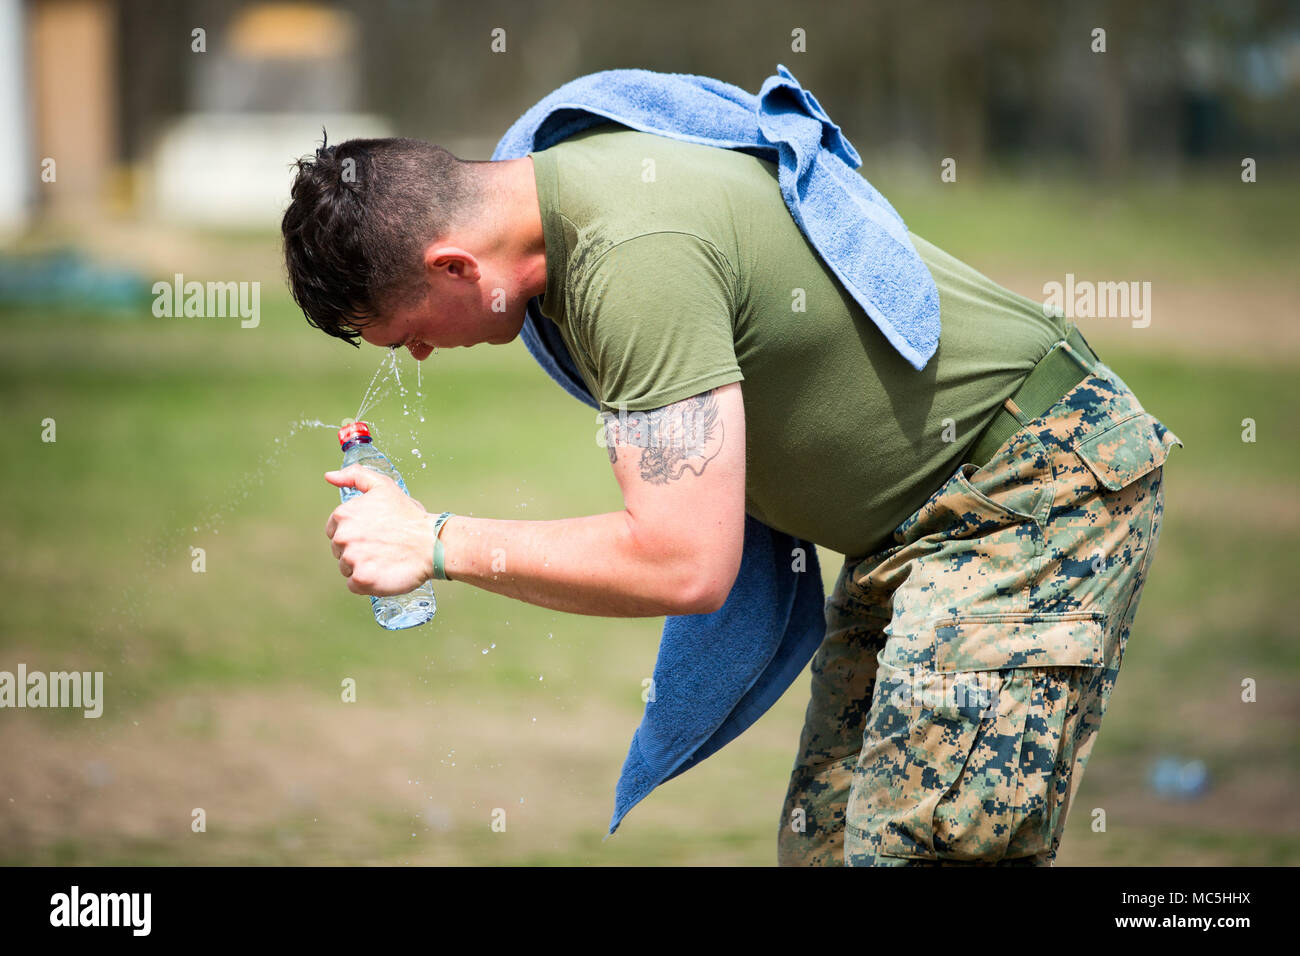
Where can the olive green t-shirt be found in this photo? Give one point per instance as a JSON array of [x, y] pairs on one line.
[[674, 268]]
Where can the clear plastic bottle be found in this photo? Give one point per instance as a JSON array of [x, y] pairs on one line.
[[403, 610]]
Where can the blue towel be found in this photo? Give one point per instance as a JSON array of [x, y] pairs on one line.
[[718, 673]]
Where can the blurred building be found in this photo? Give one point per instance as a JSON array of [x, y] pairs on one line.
[[15, 158], [234, 93], [278, 78]]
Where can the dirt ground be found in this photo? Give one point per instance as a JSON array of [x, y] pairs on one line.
[[292, 777], [285, 775]]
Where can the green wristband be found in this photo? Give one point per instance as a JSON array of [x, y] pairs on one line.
[[438, 573]]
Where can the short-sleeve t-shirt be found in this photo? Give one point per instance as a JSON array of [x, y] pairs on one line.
[[674, 268]]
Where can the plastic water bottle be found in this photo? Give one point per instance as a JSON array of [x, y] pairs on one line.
[[403, 610]]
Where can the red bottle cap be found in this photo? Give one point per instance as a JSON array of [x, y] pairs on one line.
[[350, 433]]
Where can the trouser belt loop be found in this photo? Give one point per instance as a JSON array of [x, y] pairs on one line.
[[1078, 349]]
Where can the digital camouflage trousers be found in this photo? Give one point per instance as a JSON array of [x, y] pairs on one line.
[[966, 667]]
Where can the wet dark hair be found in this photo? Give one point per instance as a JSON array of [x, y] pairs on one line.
[[361, 214]]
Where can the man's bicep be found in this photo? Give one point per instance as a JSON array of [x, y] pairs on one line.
[[681, 468]]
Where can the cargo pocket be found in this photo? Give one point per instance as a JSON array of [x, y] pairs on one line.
[[1126, 451], [987, 765]]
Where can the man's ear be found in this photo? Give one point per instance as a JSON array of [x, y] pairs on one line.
[[454, 261]]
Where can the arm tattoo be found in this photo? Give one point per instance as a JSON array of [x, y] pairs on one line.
[[684, 436]]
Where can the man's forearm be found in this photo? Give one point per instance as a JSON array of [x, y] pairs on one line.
[[590, 565]]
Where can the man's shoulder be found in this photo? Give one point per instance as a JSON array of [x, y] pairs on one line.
[[612, 135], [648, 259], [616, 155]]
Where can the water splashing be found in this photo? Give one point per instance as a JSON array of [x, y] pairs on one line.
[[386, 378], [388, 364]]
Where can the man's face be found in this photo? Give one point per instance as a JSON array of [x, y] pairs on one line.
[[451, 313]]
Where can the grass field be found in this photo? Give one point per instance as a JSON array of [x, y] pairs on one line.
[[222, 688]]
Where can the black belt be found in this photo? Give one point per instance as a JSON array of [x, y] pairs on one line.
[[1067, 364]]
